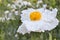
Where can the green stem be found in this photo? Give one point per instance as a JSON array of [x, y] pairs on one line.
[[32, 37], [55, 39], [50, 36], [41, 36]]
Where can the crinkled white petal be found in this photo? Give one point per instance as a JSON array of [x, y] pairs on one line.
[[54, 12], [22, 29], [27, 11], [25, 14], [41, 10], [41, 26], [48, 15], [53, 23], [50, 25], [33, 26]]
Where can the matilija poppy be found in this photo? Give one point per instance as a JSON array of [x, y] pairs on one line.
[[38, 20]]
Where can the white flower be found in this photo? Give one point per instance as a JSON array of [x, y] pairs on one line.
[[16, 12], [45, 5], [20, 3], [26, 3], [2, 19], [38, 20], [16, 35], [13, 6], [7, 18], [39, 1], [6, 12], [10, 16], [17, 2], [12, 10], [8, 5]]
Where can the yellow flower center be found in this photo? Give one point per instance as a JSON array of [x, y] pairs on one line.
[[35, 16]]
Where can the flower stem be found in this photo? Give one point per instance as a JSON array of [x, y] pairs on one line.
[[50, 36]]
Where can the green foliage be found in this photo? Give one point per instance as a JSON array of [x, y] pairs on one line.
[[50, 2]]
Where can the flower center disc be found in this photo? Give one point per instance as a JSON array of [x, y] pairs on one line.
[[35, 16]]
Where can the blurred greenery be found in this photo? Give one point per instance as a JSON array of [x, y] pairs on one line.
[[8, 28]]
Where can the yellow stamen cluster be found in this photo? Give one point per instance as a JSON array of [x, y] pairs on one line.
[[34, 16]]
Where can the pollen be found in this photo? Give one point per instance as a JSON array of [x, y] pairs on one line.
[[35, 16]]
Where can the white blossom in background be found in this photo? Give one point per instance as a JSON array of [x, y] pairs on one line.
[[9, 15], [44, 5], [13, 6], [21, 3], [39, 2], [50, 8], [16, 13], [6, 12], [18, 1], [26, 3], [12, 10], [8, 5], [2, 19], [16, 35]]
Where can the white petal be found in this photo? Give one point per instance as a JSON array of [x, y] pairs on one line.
[[33, 26], [28, 10], [50, 24], [26, 14], [41, 10], [54, 12], [47, 15], [22, 29], [53, 24]]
